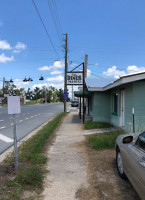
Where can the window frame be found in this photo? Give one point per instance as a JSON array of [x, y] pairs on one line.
[[115, 103], [137, 142]]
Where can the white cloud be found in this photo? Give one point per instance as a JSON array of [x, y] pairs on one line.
[[88, 72], [19, 83], [57, 78], [134, 69], [45, 68], [56, 72], [4, 59], [58, 64], [20, 46], [112, 71], [16, 51], [4, 45], [58, 86], [40, 85]]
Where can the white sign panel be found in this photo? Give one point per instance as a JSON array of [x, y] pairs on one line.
[[14, 105], [75, 78]]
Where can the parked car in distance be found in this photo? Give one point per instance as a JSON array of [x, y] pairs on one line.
[[74, 104], [130, 160]]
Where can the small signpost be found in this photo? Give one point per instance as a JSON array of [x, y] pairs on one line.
[[66, 94], [13, 109], [77, 78]]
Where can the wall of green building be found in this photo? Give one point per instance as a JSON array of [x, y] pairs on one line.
[[134, 98], [128, 125], [139, 105], [101, 107]]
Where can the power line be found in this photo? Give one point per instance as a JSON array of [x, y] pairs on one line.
[[54, 19], [45, 28], [57, 16]]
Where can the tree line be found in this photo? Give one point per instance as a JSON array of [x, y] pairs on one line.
[[45, 94]]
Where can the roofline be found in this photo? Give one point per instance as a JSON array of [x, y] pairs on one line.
[[122, 80]]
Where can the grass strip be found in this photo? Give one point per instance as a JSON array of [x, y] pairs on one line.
[[105, 140], [31, 158], [93, 125]]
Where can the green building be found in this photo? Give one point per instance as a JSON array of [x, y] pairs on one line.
[[118, 101]]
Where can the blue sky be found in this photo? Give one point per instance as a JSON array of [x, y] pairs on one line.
[[112, 33]]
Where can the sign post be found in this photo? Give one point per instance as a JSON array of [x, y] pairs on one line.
[[14, 108], [77, 78]]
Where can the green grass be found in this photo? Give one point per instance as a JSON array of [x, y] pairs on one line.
[[32, 159], [93, 125], [31, 176], [104, 141]]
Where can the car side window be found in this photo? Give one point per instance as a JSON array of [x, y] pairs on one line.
[[141, 141]]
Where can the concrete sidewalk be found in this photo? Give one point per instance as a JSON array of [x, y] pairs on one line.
[[67, 168]]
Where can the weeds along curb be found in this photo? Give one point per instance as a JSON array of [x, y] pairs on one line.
[[32, 160], [19, 143]]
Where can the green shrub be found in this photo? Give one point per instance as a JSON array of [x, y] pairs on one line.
[[104, 141], [93, 125], [32, 176]]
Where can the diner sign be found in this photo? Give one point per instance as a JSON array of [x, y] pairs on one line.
[[74, 78]]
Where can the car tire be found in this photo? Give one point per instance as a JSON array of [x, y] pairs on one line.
[[119, 164]]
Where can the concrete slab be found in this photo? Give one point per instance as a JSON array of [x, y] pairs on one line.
[[101, 130], [67, 168]]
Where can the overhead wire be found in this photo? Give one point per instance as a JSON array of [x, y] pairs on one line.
[[45, 28], [54, 19], [57, 16]]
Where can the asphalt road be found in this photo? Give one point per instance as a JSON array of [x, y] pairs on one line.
[[31, 117]]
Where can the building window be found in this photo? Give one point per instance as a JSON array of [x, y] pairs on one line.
[[115, 102], [91, 102]]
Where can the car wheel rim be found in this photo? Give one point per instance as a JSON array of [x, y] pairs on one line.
[[119, 163]]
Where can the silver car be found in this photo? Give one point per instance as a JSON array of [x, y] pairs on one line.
[[130, 160]]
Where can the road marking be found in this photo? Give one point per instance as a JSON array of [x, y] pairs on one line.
[[2, 127], [20, 121], [31, 116], [24, 114], [1, 120], [6, 139], [12, 124], [38, 114], [18, 116], [26, 118], [28, 113], [35, 115]]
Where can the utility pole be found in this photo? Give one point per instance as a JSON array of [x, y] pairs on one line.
[[85, 76], [72, 93], [3, 86], [65, 72], [85, 67]]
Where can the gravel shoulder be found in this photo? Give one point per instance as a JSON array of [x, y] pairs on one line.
[[76, 171], [102, 176]]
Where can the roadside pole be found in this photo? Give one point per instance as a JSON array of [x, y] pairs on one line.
[[14, 108], [65, 73], [83, 93], [15, 143]]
